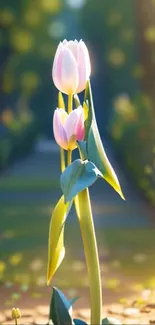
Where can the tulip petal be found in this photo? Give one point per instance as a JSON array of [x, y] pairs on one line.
[[84, 67], [63, 115], [79, 128], [74, 127], [64, 42], [56, 70], [70, 123], [58, 129], [84, 50], [69, 72], [73, 47]]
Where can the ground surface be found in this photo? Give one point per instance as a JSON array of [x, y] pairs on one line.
[[125, 233]]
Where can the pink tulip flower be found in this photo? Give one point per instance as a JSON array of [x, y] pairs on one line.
[[71, 67], [68, 128]]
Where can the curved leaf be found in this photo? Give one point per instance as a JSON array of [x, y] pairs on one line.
[[77, 101], [88, 119], [60, 308], [56, 250], [77, 176], [61, 103], [96, 152], [82, 146], [111, 320]]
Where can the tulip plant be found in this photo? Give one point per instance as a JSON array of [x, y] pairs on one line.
[[76, 127]]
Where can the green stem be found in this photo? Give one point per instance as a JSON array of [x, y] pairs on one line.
[[69, 157], [70, 107], [83, 208], [16, 322], [62, 159], [70, 103]]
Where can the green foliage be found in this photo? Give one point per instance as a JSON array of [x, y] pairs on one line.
[[115, 38], [78, 176], [59, 308], [95, 149], [5, 152], [29, 36], [28, 39], [56, 249], [132, 128], [82, 146], [111, 29], [14, 145]]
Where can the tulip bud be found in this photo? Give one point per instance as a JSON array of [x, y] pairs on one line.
[[15, 313], [68, 128], [71, 67]]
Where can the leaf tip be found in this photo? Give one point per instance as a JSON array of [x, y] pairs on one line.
[[119, 191], [48, 280], [122, 195]]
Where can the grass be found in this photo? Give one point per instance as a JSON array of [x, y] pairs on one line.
[[24, 230], [27, 184]]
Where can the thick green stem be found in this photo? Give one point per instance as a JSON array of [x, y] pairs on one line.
[[70, 107], [62, 159], [83, 208], [70, 103], [69, 157]]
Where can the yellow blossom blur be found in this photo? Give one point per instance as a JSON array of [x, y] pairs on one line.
[[15, 259]]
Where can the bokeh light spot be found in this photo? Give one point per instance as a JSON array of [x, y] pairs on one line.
[[75, 4], [51, 6], [33, 18], [29, 80], [116, 57], [57, 29], [6, 17], [138, 71], [2, 266], [114, 19], [22, 40], [149, 34], [15, 259]]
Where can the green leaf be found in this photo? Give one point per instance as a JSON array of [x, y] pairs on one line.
[[73, 300], [111, 320], [77, 101], [60, 308], [61, 103], [77, 176], [77, 321], [95, 149], [88, 119], [56, 250], [82, 146]]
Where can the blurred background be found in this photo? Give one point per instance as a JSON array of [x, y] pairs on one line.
[[120, 36]]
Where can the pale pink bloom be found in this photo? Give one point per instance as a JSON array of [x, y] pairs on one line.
[[68, 128], [71, 67]]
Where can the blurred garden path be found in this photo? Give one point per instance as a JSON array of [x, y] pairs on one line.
[[43, 165]]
